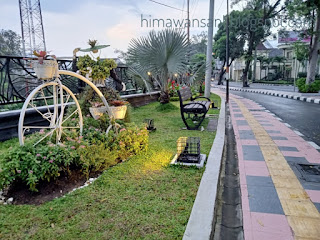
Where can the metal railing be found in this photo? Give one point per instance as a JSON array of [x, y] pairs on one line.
[[17, 79]]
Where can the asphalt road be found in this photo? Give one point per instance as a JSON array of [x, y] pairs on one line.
[[302, 116]]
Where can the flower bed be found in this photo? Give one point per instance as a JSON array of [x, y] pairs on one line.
[[91, 153]]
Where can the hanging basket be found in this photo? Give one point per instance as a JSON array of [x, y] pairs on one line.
[[46, 70], [119, 112], [97, 112]]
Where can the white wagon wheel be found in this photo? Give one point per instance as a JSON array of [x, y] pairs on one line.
[[57, 121]]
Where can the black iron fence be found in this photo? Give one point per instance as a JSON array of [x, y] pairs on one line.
[[17, 79]]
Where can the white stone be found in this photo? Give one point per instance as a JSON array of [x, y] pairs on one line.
[[10, 200]]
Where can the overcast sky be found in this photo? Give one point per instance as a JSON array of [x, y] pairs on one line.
[[69, 24]]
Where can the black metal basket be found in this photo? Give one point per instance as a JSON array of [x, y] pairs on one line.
[[188, 149]]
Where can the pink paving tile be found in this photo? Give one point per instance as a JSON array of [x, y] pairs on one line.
[[256, 168], [292, 154], [244, 128], [246, 216], [248, 142], [239, 118], [256, 235], [272, 223], [244, 198], [312, 155], [314, 195], [248, 235]]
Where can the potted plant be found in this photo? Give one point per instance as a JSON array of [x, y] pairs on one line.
[[97, 109], [95, 69], [118, 108], [44, 65]]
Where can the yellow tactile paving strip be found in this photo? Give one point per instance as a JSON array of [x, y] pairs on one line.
[[302, 215]]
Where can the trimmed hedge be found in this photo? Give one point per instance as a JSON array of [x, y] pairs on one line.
[[311, 88]]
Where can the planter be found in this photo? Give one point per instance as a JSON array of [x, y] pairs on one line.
[[46, 70], [119, 112], [97, 112]]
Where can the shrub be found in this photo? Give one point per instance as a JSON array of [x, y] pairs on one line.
[[92, 152], [311, 88], [29, 164]]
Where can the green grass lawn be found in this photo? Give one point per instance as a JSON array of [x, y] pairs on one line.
[[142, 198]]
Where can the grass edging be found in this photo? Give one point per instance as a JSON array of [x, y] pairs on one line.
[[201, 218]]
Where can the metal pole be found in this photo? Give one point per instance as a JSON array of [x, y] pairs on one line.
[[209, 51], [188, 29], [227, 53], [295, 74]]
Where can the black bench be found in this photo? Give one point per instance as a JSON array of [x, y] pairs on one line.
[[194, 110]]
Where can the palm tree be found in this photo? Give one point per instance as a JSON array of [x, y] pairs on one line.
[[162, 54]]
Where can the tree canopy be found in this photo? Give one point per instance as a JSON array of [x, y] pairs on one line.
[[10, 43]]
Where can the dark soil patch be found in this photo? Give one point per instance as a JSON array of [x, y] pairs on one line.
[[47, 190]]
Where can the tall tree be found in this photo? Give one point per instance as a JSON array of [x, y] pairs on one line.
[[237, 41], [10, 43], [309, 9], [198, 43], [256, 14]]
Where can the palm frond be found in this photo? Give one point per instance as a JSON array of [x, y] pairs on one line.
[[161, 53]]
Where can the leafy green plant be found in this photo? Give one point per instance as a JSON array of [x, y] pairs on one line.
[[93, 152], [30, 165], [100, 68], [305, 88], [163, 54]]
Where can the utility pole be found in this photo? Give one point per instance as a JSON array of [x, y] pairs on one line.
[[255, 65], [227, 53], [209, 52], [188, 29]]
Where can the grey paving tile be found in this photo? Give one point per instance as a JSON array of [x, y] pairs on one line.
[[264, 199], [310, 185], [290, 149], [302, 160], [236, 110], [238, 115], [259, 181], [266, 125], [273, 131], [260, 121], [246, 134], [252, 153], [242, 123], [317, 206], [278, 138]]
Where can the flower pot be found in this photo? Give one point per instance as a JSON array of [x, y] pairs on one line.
[[46, 70], [97, 112], [100, 83], [119, 112]]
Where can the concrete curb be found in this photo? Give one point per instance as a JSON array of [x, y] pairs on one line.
[[275, 93], [202, 215]]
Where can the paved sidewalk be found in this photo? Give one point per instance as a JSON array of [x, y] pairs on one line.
[[279, 199], [291, 95]]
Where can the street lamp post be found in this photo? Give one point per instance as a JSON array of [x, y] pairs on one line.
[[227, 53]]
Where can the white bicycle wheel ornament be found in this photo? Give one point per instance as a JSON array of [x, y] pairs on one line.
[[49, 101], [50, 113]]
